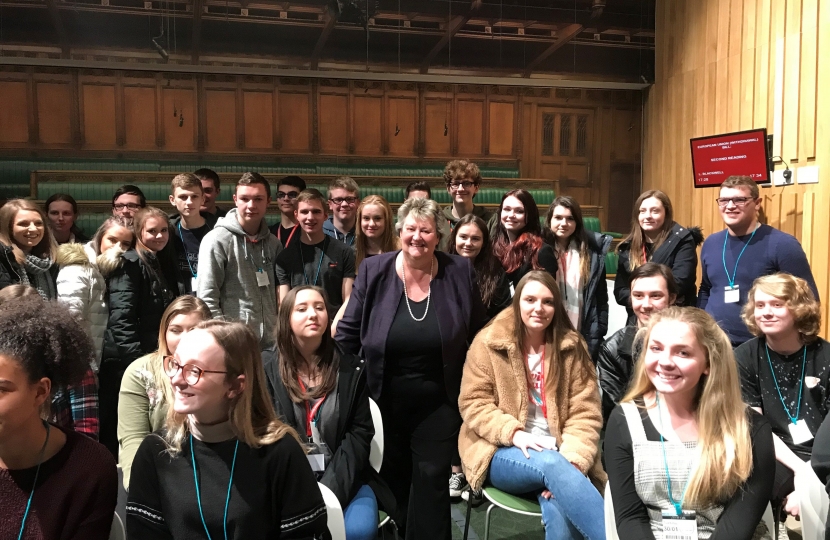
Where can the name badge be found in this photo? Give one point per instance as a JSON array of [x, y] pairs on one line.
[[800, 432], [262, 278], [731, 295], [317, 462], [318, 456], [682, 527], [194, 284]]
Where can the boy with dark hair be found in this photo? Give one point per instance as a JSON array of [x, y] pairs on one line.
[[317, 259], [127, 200], [190, 225], [210, 189], [288, 189], [418, 188], [236, 261], [344, 196]]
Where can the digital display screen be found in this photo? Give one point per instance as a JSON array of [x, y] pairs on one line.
[[716, 158]]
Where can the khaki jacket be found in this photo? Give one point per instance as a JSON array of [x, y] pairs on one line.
[[494, 402]]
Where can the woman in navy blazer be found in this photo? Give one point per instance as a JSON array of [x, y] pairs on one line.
[[415, 343]]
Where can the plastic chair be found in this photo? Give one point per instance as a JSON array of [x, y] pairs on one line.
[[812, 502], [118, 532], [376, 459], [611, 520], [335, 521], [518, 504]]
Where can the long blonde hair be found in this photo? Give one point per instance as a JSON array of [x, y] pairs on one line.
[[388, 240], [251, 412], [722, 417], [47, 247], [182, 305]]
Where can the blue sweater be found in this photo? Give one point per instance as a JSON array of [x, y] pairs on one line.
[[771, 251]]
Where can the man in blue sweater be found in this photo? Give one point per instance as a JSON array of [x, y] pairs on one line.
[[732, 259]]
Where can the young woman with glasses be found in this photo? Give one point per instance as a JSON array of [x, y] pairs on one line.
[[225, 467], [146, 393]]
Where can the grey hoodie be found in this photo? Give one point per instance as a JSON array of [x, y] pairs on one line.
[[228, 267]]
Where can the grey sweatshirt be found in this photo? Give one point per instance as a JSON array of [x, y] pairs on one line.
[[228, 268]]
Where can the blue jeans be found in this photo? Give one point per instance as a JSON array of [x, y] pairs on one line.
[[361, 515], [576, 508]]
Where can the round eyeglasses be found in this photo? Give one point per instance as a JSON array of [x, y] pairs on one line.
[[191, 373]]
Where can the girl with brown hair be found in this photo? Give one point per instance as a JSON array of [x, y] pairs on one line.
[[27, 248], [225, 466]]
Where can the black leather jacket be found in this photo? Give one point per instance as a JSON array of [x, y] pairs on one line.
[[616, 363]]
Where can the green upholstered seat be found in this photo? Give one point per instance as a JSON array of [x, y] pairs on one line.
[[89, 223], [591, 223], [611, 262], [516, 503]]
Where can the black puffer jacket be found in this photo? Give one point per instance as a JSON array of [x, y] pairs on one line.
[[137, 297], [615, 362], [678, 252], [350, 445], [595, 295], [10, 270]]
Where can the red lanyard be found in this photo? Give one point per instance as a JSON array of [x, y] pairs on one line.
[[645, 257], [290, 236], [542, 399], [310, 413]]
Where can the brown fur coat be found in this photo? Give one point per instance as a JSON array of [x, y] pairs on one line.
[[494, 402]]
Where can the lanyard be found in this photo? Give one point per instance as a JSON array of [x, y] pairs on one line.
[[345, 236], [793, 419], [290, 236], [310, 413], [539, 400], [185, 250], [319, 264], [34, 484], [199, 497], [732, 279], [645, 255], [678, 505]]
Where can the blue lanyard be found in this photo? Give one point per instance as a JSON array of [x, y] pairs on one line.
[[319, 264], [199, 497], [793, 419], [185, 251], [34, 484], [735, 273], [678, 505]]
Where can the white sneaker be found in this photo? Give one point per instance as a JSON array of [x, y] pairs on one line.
[[458, 482]]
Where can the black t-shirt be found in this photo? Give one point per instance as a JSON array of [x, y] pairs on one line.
[[759, 388], [187, 250], [302, 264], [286, 236]]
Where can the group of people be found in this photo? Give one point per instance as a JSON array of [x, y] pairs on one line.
[[228, 366]]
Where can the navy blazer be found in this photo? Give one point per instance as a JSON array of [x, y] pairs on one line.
[[375, 298]]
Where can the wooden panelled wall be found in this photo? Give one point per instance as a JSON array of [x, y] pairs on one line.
[[730, 65], [85, 113]]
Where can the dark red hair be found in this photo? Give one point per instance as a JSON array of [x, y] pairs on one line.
[[529, 241]]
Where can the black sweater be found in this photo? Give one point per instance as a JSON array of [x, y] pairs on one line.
[[274, 493], [741, 514]]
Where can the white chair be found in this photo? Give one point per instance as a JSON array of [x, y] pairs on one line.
[[336, 523], [611, 520], [376, 458], [812, 502], [117, 532]]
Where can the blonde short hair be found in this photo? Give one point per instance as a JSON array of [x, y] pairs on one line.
[[422, 210], [796, 295]]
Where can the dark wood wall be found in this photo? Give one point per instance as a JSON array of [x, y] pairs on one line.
[[96, 113]]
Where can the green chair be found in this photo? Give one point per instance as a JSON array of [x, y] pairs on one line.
[[526, 505], [611, 263]]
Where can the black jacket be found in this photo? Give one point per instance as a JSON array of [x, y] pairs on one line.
[[595, 295], [350, 445], [678, 252], [137, 299], [10, 270], [615, 362]]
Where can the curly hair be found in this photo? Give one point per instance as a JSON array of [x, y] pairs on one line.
[[460, 169], [46, 339], [796, 295]]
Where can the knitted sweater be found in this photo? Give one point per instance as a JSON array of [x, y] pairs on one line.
[[74, 498]]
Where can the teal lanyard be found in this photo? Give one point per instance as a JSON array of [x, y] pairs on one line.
[[678, 505], [319, 264], [185, 250], [199, 497], [735, 273], [793, 419], [34, 484]]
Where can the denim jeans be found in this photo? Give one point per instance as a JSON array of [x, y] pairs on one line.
[[576, 508], [361, 515]]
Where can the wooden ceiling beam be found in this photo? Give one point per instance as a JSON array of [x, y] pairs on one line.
[[321, 41], [563, 37]]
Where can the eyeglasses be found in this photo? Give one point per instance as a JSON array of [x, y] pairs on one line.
[[191, 373], [454, 186], [290, 195], [340, 200], [723, 202], [131, 206]]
